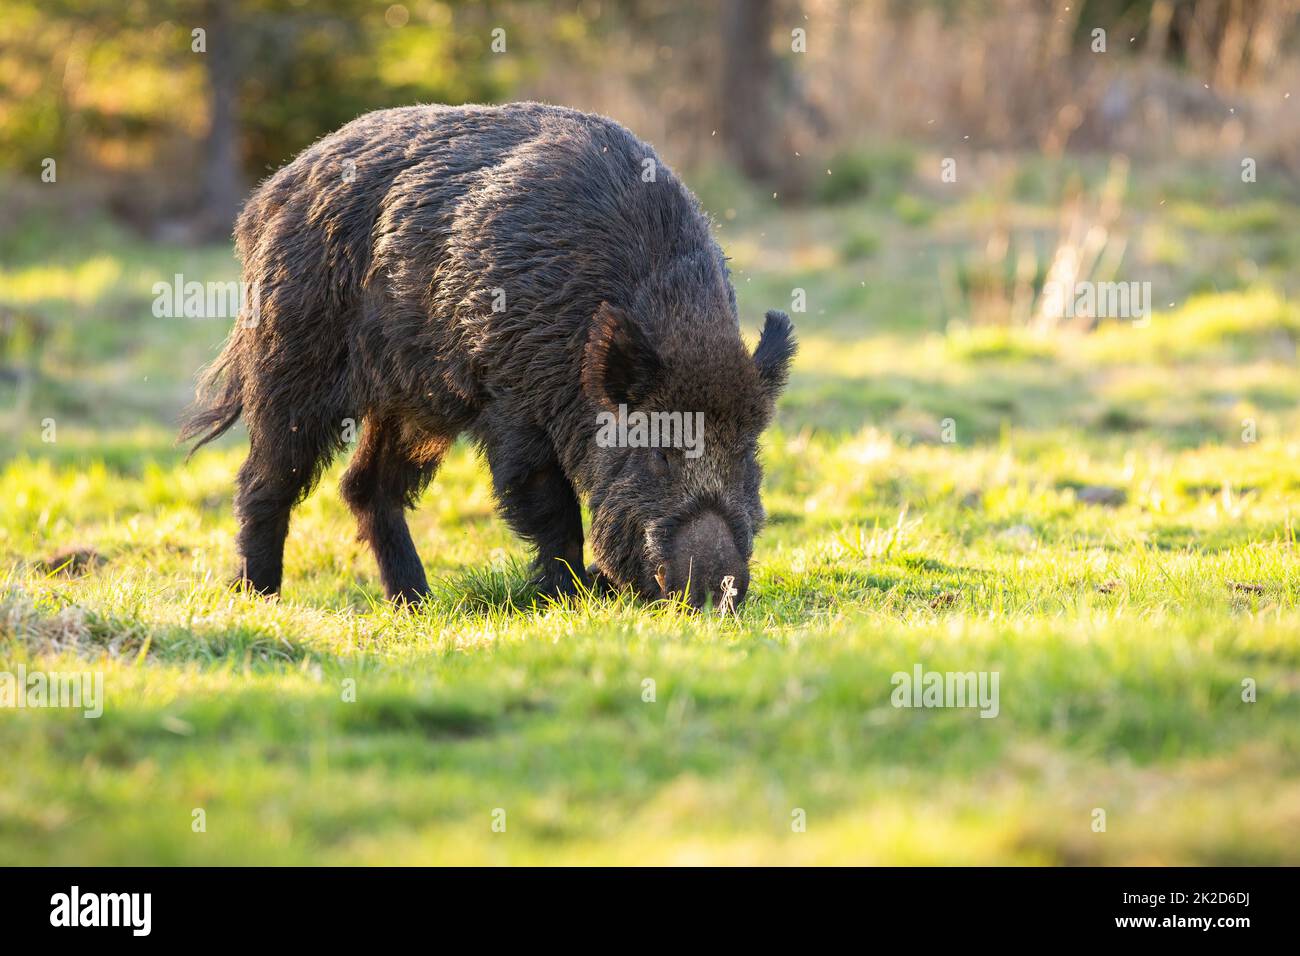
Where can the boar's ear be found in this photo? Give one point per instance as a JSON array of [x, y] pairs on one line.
[[776, 346], [620, 366]]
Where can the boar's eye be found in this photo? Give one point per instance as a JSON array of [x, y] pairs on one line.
[[659, 464]]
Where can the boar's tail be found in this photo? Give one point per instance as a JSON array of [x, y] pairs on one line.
[[218, 400]]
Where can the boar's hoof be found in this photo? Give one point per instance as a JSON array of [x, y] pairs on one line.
[[246, 585], [601, 583], [557, 580], [408, 598]]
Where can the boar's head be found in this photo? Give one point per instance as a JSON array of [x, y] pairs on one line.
[[675, 484]]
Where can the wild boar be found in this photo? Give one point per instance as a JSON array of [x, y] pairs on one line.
[[516, 273]]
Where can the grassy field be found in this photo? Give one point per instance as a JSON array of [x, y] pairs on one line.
[[1106, 520]]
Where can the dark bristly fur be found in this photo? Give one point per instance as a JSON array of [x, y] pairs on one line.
[[373, 301]]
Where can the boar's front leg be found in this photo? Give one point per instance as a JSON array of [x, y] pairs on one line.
[[539, 504]]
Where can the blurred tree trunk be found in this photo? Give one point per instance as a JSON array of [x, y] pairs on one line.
[[748, 120], [221, 178], [1234, 42], [1158, 26]]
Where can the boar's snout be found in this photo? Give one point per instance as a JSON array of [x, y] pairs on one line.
[[701, 555]]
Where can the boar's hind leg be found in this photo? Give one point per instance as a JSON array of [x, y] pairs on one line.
[[385, 478], [539, 504], [284, 461]]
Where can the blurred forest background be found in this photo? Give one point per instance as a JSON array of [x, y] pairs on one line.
[[170, 139]]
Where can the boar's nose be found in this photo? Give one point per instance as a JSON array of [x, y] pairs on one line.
[[702, 554]]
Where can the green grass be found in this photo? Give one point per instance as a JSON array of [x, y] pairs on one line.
[[1101, 530]]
